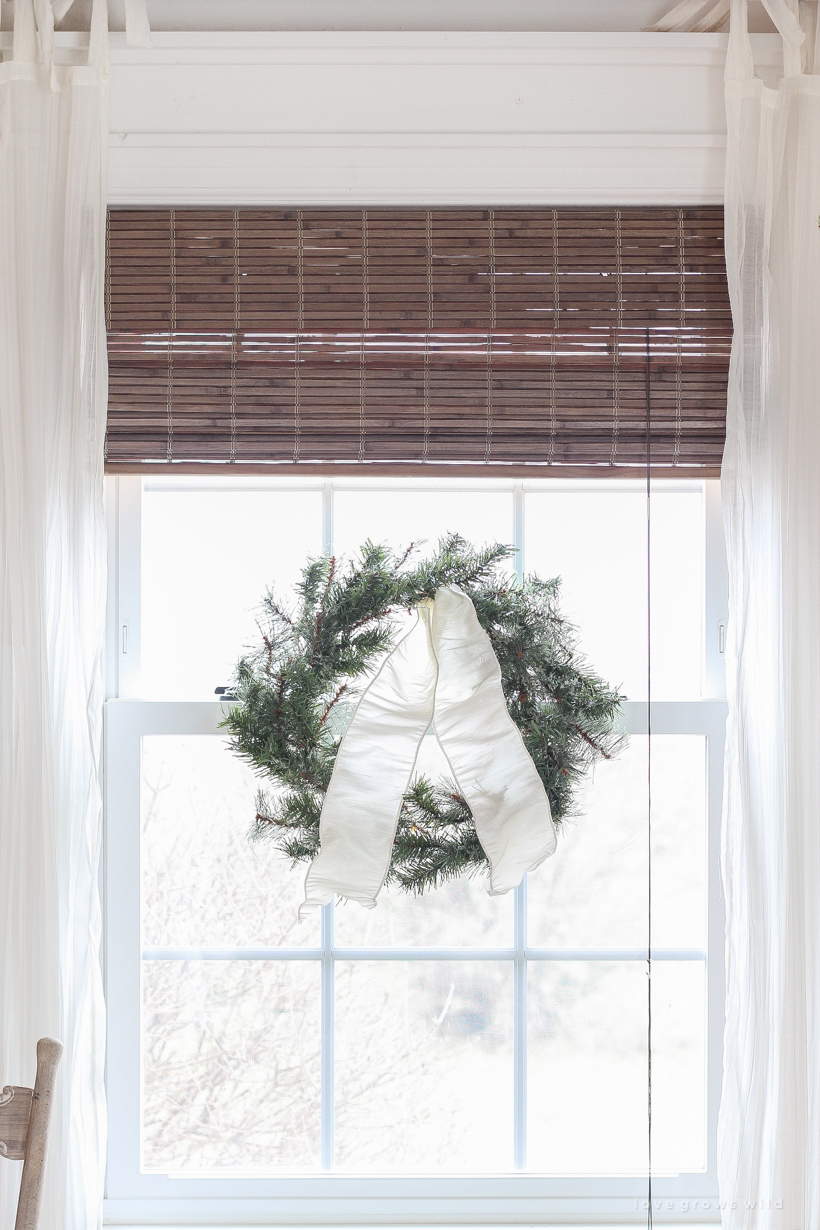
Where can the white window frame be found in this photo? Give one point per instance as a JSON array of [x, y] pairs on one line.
[[330, 1197]]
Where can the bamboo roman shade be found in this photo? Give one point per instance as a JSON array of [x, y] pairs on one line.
[[530, 337]]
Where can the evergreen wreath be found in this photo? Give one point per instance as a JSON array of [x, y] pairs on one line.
[[296, 692]]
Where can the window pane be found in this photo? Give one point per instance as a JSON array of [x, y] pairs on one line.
[[460, 913], [677, 594], [593, 891], [207, 558], [596, 542], [231, 1066], [587, 1067], [679, 841], [679, 1065], [203, 883], [424, 1066], [399, 517]]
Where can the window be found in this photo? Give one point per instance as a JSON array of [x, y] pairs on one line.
[[407, 1062]]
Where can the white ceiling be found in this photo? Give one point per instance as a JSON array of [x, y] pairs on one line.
[[574, 15]]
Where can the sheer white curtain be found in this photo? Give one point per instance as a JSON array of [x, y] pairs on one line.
[[769, 1144], [53, 137]]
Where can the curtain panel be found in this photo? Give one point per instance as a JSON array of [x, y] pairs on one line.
[[769, 1135], [53, 141]]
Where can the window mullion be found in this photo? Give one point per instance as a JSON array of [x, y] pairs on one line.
[[518, 529], [327, 517], [328, 972], [328, 1049], [520, 1029], [520, 924]]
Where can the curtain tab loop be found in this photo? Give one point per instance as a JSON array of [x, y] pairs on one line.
[[787, 22], [45, 28], [25, 34], [98, 38], [137, 28], [740, 65]]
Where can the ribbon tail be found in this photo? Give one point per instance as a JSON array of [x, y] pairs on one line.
[[492, 767], [372, 772]]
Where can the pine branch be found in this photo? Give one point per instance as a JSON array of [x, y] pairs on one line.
[[339, 693], [596, 747]]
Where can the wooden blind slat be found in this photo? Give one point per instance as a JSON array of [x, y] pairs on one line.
[[407, 336]]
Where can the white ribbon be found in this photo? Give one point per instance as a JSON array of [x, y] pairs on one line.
[[443, 671]]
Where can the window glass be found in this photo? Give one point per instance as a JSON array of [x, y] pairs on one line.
[[203, 884], [208, 557], [676, 587], [596, 542], [586, 1068], [458, 914], [399, 517], [593, 892], [679, 841], [678, 1065], [230, 1066], [424, 1066]]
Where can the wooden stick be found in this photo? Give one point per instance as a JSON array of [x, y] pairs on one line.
[[428, 470], [49, 1053]]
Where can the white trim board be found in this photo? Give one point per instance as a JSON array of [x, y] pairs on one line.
[[218, 1214], [417, 118], [215, 1212], [117, 1214], [370, 168]]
